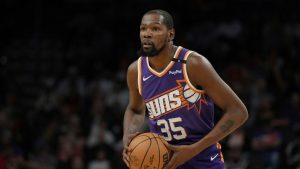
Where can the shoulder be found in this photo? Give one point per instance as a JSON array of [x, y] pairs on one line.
[[199, 69], [197, 60], [132, 73], [133, 68]]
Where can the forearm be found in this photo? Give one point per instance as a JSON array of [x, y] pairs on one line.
[[132, 122], [230, 121]]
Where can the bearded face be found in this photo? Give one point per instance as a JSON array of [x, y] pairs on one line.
[[154, 35], [150, 50]]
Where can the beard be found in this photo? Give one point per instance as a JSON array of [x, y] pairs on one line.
[[150, 52]]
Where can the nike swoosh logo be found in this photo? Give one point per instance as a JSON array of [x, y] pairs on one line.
[[212, 158], [146, 78]]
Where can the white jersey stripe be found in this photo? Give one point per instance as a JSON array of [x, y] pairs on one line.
[[186, 77]]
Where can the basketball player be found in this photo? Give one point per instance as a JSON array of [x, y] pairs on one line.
[[179, 88]]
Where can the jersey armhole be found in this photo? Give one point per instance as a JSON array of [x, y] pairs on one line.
[[186, 77], [139, 79]]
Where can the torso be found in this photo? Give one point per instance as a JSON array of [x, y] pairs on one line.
[[177, 110]]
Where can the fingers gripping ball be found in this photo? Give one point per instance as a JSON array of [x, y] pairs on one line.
[[148, 151]]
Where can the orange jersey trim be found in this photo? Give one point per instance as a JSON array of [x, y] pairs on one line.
[[140, 75], [186, 77], [219, 147], [160, 74]]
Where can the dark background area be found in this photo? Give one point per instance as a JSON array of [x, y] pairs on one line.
[[63, 70]]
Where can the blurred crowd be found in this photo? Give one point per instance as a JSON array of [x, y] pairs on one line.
[[63, 86]]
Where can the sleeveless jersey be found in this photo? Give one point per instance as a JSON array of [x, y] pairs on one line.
[[177, 110]]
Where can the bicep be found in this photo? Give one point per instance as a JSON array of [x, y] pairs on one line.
[[136, 102], [202, 73]]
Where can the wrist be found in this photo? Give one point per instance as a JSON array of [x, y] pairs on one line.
[[195, 149], [202, 144]]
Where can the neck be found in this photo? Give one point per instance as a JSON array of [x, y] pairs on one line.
[[161, 61]]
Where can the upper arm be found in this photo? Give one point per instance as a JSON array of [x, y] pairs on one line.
[[201, 73], [136, 102]]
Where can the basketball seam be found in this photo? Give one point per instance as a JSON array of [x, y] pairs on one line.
[[150, 139], [146, 152], [139, 143], [142, 134], [158, 150], [187, 90], [165, 147], [192, 95], [199, 96]]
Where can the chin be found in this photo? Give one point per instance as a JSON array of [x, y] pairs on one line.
[[146, 53]]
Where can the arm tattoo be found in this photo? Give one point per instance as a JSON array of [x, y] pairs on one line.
[[227, 125]]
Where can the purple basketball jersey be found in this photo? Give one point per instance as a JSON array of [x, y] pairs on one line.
[[177, 110]]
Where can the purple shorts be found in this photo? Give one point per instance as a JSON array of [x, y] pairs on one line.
[[210, 158]]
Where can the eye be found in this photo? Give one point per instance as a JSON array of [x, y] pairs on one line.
[[142, 28], [155, 29]]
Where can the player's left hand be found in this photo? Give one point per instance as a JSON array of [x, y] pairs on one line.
[[180, 155]]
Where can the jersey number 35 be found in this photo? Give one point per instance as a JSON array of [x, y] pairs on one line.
[[170, 130]]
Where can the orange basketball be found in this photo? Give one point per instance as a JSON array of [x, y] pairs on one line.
[[148, 151]]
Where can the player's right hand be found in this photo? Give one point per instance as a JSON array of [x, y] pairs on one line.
[[180, 155], [126, 140]]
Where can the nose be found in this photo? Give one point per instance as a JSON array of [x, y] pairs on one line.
[[147, 33]]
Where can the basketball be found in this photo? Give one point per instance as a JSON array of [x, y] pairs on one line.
[[190, 95], [148, 151]]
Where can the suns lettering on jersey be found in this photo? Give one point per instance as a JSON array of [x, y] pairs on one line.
[[171, 100], [165, 103]]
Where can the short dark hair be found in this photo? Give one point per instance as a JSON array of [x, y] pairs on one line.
[[168, 19]]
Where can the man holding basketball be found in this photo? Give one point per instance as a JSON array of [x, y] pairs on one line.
[[179, 88]]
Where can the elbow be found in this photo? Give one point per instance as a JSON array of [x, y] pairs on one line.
[[239, 113], [243, 114]]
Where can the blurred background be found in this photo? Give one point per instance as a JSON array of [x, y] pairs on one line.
[[63, 70]]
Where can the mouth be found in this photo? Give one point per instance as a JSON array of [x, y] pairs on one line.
[[147, 44]]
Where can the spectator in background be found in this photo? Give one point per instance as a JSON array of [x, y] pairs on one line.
[[236, 157], [292, 150], [47, 55], [266, 139]]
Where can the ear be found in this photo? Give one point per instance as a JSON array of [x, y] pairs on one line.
[[171, 34]]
